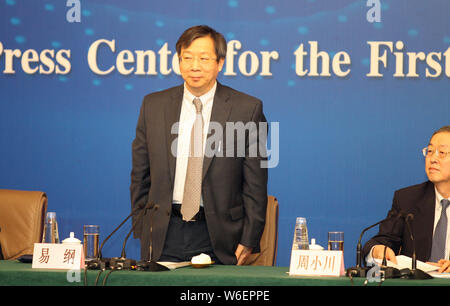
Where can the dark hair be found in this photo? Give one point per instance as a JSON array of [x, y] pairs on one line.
[[199, 31]]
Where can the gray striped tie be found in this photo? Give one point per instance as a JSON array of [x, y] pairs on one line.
[[440, 235], [193, 184]]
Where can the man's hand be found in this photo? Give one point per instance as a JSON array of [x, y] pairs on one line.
[[378, 252], [242, 253], [443, 264]]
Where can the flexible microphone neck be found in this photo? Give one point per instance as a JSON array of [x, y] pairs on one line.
[[414, 273], [384, 262], [143, 265], [359, 246], [136, 209], [360, 271], [140, 215], [413, 257]]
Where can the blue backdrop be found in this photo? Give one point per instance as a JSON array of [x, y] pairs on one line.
[[346, 141]]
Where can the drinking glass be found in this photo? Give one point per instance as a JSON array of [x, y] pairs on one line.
[[336, 241], [90, 241]]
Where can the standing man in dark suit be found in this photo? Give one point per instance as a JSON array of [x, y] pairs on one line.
[[428, 203], [200, 203]]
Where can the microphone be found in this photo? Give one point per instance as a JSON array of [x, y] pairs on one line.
[[389, 272], [413, 273], [150, 265], [122, 262], [117, 228], [140, 215], [104, 263], [360, 271], [414, 259]]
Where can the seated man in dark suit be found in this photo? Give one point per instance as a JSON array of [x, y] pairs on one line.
[[428, 203]]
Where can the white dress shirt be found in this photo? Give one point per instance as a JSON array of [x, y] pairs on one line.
[[437, 216], [187, 119]]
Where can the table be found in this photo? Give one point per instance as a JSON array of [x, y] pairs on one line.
[[14, 273]]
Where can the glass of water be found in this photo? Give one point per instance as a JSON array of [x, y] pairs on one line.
[[90, 241], [336, 241]]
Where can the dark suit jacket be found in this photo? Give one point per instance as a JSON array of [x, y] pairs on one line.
[[234, 189], [420, 201]]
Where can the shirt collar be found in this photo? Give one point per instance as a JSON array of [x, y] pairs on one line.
[[208, 96], [439, 196]]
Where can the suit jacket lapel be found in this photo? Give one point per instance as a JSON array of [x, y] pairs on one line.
[[220, 113], [172, 111]]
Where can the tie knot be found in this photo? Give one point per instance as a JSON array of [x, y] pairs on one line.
[[445, 203], [198, 105]]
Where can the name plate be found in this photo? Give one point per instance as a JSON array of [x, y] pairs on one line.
[[317, 263], [58, 256]]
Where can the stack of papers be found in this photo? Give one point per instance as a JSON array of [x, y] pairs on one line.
[[406, 262]]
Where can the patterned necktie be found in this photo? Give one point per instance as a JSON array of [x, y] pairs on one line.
[[440, 235], [193, 184]]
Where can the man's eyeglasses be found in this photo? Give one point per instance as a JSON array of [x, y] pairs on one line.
[[430, 151], [203, 60]]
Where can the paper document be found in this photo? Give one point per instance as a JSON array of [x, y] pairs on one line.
[[174, 265], [406, 262], [436, 274]]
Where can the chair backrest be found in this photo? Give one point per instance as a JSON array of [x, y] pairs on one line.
[[269, 239], [22, 216]]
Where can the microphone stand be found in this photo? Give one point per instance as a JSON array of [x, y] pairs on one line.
[[104, 263], [389, 272], [413, 273], [360, 271], [122, 262], [143, 212], [150, 265]]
